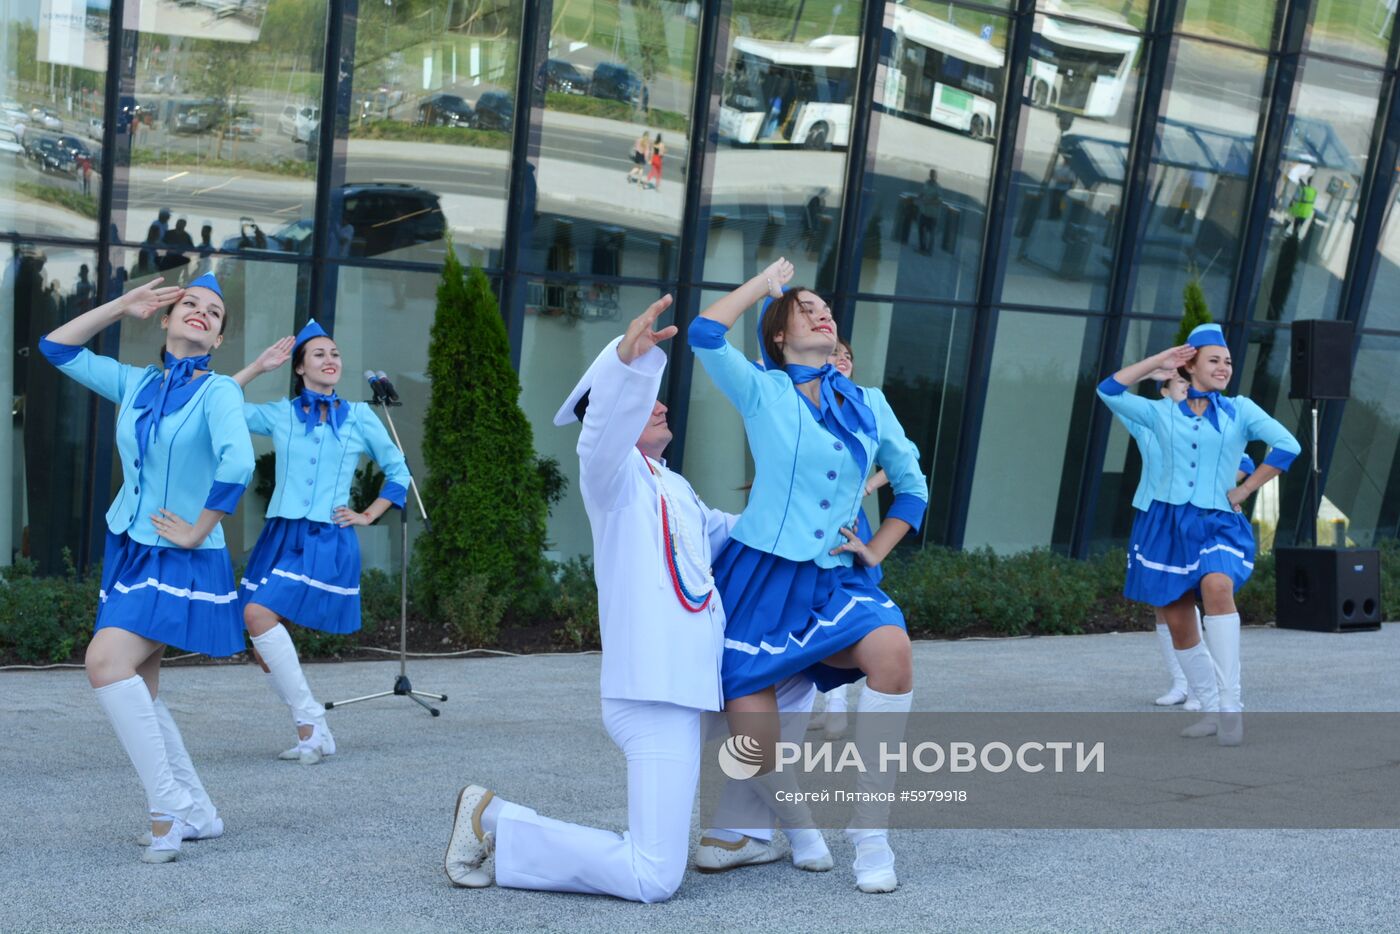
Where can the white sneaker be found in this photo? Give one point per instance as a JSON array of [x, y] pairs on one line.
[[809, 852], [1206, 726], [165, 849], [1231, 730], [1177, 695], [313, 749], [469, 846], [716, 855], [874, 865], [1191, 704], [188, 832], [835, 724]]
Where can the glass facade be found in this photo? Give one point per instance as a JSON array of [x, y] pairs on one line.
[[1002, 201]]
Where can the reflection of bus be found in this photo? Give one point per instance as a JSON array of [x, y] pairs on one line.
[[1082, 69], [946, 74], [790, 92]]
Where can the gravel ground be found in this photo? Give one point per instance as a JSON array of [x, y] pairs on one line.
[[356, 844]]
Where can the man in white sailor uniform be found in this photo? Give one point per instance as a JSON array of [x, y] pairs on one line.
[[663, 636]]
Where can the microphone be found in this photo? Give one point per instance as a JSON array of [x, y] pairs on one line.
[[391, 395], [374, 385]]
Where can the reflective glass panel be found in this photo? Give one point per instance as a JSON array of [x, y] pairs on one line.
[[1315, 190], [45, 454], [1080, 93], [53, 68], [1363, 483], [1199, 181], [429, 125], [1031, 450], [565, 327], [1382, 311], [1276, 509], [217, 127], [917, 355], [617, 88], [786, 100], [1131, 13], [1247, 22], [1351, 30], [938, 93]]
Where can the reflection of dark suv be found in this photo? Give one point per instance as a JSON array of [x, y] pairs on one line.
[[562, 76], [494, 111], [444, 110], [374, 218], [616, 82]]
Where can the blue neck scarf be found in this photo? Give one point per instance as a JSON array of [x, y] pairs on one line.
[[308, 409], [844, 421], [1214, 401], [159, 397]]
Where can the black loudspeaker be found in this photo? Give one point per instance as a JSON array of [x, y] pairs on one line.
[[1328, 589], [1320, 362]]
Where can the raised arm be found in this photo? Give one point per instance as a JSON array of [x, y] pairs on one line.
[[1132, 408], [267, 361], [1168, 360], [140, 303], [730, 308]]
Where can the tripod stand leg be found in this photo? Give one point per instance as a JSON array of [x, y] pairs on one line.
[[429, 694], [413, 696], [331, 705]]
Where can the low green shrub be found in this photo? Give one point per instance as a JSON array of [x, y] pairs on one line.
[[575, 604], [474, 609], [63, 196], [45, 620], [412, 132], [617, 110]]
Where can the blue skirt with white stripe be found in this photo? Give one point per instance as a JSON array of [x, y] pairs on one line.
[[783, 617], [1174, 546], [181, 597], [307, 572]]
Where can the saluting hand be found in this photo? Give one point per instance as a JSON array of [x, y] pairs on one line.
[[1175, 357], [276, 355], [778, 274], [146, 300], [639, 337]]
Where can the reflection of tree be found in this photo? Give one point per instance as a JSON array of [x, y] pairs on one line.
[[228, 71]]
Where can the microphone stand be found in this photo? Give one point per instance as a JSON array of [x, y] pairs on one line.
[[402, 686]]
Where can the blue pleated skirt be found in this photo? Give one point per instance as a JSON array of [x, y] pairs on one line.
[[784, 617], [865, 532], [1174, 546], [181, 597], [307, 572]]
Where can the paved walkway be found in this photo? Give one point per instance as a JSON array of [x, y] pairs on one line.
[[356, 844]]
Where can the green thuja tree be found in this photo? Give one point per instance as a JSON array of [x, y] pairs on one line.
[[1195, 313], [485, 488]]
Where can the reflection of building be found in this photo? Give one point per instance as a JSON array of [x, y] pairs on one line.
[[1082, 181]]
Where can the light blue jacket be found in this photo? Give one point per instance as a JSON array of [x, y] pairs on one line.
[[806, 484], [1191, 461], [314, 471], [201, 456], [1152, 463]]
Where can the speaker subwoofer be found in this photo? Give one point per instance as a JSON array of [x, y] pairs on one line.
[[1328, 589], [1320, 360]]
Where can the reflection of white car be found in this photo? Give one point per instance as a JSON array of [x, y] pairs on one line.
[[45, 118], [94, 127], [9, 142], [299, 122]]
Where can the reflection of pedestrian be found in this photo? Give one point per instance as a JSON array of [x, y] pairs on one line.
[[930, 200], [641, 157], [658, 152], [85, 172], [162, 222], [775, 110], [148, 259], [1060, 184], [1192, 190], [180, 238], [646, 99], [83, 289], [1304, 203]]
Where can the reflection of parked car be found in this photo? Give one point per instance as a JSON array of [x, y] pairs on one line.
[[373, 218], [194, 116], [616, 83], [243, 126], [49, 156], [494, 111], [299, 121], [9, 142], [562, 76], [444, 110], [43, 117], [74, 148], [94, 127]]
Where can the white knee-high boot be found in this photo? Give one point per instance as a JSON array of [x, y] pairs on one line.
[[204, 817], [880, 723], [280, 655], [1200, 674], [1176, 694], [129, 706], [1222, 634]]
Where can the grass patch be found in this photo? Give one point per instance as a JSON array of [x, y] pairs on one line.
[[616, 110], [289, 168], [451, 135], [75, 201]]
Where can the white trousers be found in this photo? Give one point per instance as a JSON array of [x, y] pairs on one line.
[[743, 804], [645, 864]]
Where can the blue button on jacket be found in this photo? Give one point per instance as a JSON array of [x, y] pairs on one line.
[[796, 463], [201, 455], [1197, 462], [315, 469]]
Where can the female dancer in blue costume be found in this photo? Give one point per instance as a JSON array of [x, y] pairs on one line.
[[800, 601], [1193, 539], [166, 576], [305, 567]]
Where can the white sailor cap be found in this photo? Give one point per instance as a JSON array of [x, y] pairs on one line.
[[571, 410]]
